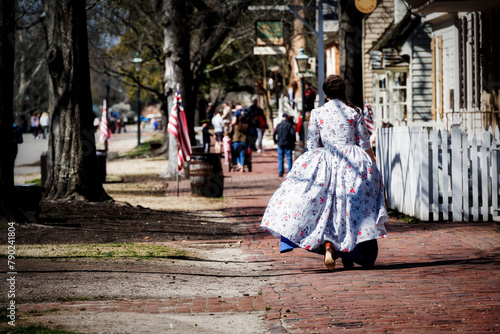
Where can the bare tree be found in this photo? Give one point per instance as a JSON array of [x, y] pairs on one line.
[[30, 71], [72, 162]]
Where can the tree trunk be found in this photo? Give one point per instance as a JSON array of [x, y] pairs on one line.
[[177, 71], [8, 210], [72, 162], [351, 59]]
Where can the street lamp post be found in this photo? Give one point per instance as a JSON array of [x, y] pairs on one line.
[[302, 61], [138, 60]]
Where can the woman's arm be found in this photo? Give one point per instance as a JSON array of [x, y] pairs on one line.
[[370, 153], [313, 133]]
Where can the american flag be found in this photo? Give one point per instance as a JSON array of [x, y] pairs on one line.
[[368, 114], [105, 130], [177, 126]]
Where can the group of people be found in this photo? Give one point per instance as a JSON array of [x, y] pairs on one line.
[[40, 124], [236, 129]]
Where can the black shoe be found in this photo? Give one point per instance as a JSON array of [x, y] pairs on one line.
[[280, 174], [348, 264]]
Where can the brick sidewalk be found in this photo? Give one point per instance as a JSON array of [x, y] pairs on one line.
[[428, 277]]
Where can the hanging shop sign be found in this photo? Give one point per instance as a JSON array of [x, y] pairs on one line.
[[269, 38]]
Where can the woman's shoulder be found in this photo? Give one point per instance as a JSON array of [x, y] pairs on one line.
[[328, 106]]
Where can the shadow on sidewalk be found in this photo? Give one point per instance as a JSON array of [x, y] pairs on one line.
[[494, 259]]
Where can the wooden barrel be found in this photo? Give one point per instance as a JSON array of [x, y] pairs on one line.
[[205, 175]]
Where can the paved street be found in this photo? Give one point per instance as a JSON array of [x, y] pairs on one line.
[[29, 152], [428, 277]]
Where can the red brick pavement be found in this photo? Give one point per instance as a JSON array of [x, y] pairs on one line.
[[428, 277]]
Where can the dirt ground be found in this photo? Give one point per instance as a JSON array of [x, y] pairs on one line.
[[213, 266]]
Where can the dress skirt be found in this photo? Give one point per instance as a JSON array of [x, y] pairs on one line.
[[332, 194]]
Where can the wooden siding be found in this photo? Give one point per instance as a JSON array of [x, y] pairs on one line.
[[420, 74], [374, 26]]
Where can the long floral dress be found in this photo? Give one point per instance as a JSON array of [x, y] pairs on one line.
[[334, 190]]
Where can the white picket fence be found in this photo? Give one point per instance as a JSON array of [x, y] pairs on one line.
[[439, 175]]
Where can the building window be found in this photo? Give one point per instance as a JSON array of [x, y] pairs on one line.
[[390, 95]]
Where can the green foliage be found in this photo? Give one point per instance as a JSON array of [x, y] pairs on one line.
[[34, 329], [147, 74], [403, 218], [38, 182], [60, 251]]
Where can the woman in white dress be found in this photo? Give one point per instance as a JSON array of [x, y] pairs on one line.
[[332, 201]]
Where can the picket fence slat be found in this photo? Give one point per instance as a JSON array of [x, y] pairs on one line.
[[465, 179], [456, 174], [475, 180], [444, 173], [437, 174], [424, 183], [494, 185], [484, 174]]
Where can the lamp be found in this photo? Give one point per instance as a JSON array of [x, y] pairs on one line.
[[302, 61], [137, 61]]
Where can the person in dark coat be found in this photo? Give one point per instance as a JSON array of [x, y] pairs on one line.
[[206, 136], [284, 136]]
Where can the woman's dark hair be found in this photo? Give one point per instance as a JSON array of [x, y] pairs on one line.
[[334, 87]]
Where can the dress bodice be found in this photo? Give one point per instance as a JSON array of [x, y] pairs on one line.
[[335, 125]]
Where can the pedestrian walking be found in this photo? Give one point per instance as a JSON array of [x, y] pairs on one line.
[[310, 95], [206, 136], [44, 124], [227, 114], [17, 138], [260, 125], [35, 124], [226, 142], [239, 140], [253, 127], [218, 124], [284, 136], [332, 201]]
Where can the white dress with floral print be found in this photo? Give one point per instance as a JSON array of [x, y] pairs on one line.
[[334, 190]]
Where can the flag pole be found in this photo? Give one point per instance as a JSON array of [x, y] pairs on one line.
[[105, 109], [177, 177], [177, 173]]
